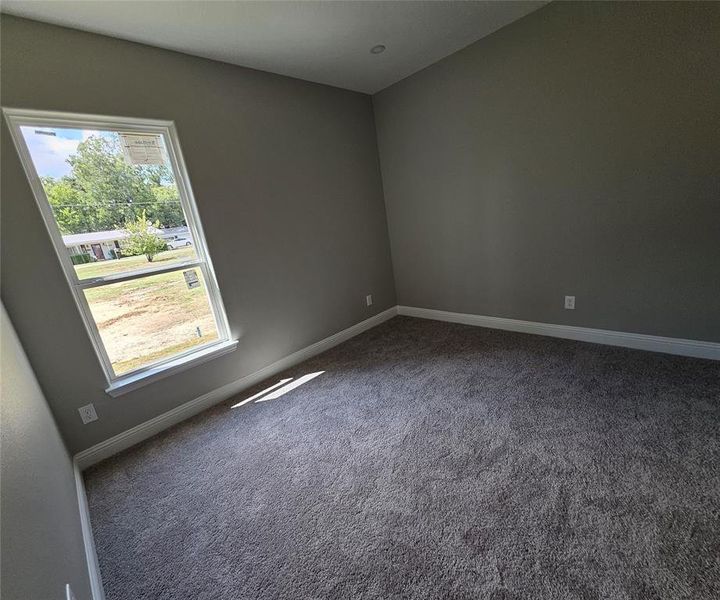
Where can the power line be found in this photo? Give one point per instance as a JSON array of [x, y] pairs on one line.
[[126, 205]]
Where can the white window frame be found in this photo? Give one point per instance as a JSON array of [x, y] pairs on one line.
[[120, 384]]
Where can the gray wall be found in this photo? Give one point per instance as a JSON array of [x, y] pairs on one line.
[[576, 151], [42, 546], [287, 181]]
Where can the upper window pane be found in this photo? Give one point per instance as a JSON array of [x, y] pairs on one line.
[[114, 198]]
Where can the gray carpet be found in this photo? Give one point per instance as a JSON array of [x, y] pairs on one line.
[[430, 460]]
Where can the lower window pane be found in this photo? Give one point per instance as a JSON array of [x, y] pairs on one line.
[[153, 318]]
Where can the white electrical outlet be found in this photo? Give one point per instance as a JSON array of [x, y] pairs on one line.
[[87, 414], [570, 302], [69, 593], [368, 299]]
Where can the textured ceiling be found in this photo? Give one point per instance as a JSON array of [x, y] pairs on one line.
[[326, 42]]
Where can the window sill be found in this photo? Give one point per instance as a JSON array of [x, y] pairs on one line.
[[132, 382]]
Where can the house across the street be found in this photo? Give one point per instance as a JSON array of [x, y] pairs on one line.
[[105, 245], [100, 245]]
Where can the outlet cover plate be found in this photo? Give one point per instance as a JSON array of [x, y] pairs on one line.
[[88, 414]]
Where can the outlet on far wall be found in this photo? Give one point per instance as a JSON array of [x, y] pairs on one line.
[[570, 302], [88, 414], [368, 299]]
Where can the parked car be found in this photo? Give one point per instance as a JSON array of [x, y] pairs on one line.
[[178, 242]]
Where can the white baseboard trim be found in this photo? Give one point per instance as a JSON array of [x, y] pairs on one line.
[[141, 432], [96, 586], [694, 348]]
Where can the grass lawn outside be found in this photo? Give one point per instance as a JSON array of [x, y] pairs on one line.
[[103, 268], [152, 318]]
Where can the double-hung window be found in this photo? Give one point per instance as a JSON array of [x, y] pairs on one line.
[[117, 203]]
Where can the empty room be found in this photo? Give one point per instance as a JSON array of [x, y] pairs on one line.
[[360, 300]]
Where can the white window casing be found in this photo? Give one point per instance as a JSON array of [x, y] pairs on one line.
[[125, 382]]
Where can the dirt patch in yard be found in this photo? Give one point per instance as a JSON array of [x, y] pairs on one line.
[[152, 318]]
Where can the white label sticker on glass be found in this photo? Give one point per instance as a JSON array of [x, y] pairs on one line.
[[191, 279], [142, 148]]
